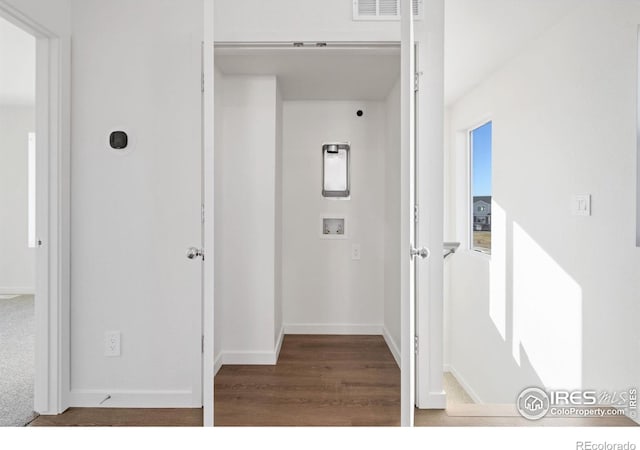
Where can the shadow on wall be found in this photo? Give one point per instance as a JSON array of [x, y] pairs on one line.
[[522, 329], [542, 304]]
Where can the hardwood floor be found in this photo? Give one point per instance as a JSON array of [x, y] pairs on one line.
[[472, 415], [318, 381], [120, 417]]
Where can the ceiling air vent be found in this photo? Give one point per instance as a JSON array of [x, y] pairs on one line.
[[382, 9]]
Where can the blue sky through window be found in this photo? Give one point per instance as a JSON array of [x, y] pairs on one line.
[[482, 144]]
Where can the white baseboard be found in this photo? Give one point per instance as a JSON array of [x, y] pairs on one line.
[[242, 358], [333, 328], [392, 345], [435, 400], [217, 364], [17, 291], [81, 398], [279, 343], [466, 386], [246, 358]]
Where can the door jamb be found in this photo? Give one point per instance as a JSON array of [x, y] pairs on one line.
[[52, 313], [407, 308], [208, 152]]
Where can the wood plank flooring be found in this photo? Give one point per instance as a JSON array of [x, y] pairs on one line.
[[121, 417], [506, 416], [318, 381]]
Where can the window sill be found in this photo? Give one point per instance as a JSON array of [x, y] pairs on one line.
[[486, 255]]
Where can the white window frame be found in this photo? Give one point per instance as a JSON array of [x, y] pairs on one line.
[[469, 220]]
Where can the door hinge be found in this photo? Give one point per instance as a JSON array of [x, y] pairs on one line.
[[415, 344], [416, 213], [202, 344], [202, 82], [416, 81], [202, 213]]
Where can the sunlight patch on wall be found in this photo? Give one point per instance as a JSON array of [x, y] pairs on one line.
[[498, 270], [547, 314]]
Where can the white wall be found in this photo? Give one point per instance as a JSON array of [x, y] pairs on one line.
[[17, 261], [136, 65], [246, 208], [293, 20], [324, 290], [557, 303], [392, 220]]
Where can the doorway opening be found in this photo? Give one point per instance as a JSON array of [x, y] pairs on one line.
[[307, 299], [17, 224]]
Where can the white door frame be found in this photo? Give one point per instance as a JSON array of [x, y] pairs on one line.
[[430, 186], [208, 152], [429, 388], [52, 321], [407, 224]]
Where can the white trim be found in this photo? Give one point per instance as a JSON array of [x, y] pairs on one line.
[[466, 386], [393, 347], [53, 86], [334, 328], [279, 343], [17, 291], [435, 400], [217, 364], [249, 358], [407, 202], [81, 398], [208, 139], [430, 162]]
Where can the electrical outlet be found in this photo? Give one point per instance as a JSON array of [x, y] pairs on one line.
[[355, 252], [112, 343]]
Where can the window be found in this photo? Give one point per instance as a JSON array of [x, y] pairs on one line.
[[480, 149], [31, 191]]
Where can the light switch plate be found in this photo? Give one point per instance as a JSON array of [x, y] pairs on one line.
[[581, 205], [355, 252]]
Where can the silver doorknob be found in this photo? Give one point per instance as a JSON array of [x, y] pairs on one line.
[[193, 253], [423, 252]]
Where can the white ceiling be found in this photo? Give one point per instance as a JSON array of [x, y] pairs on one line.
[[319, 73], [482, 35], [17, 66]]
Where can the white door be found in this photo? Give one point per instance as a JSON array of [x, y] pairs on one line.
[[407, 234], [208, 102]]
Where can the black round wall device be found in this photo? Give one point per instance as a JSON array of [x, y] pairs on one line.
[[360, 113], [118, 140]]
